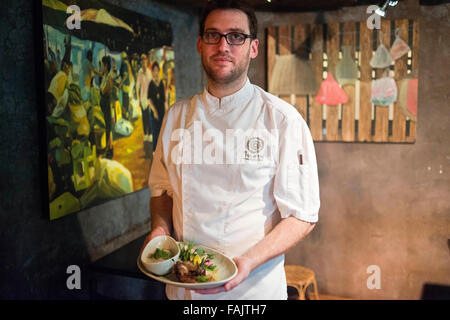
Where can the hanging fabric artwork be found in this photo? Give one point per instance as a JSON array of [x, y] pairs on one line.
[[384, 90], [346, 69], [407, 95], [292, 75], [382, 58], [330, 93], [399, 47], [412, 96]]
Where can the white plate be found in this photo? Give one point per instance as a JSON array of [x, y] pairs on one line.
[[226, 270]]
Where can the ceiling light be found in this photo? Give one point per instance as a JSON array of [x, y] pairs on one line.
[[382, 8]]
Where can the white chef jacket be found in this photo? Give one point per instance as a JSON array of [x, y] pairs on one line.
[[234, 167]]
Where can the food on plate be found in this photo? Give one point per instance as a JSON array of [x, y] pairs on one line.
[[195, 265], [160, 255]]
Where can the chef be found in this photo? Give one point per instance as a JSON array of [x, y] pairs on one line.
[[234, 167]]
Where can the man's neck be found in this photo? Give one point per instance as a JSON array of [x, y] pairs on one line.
[[219, 90]]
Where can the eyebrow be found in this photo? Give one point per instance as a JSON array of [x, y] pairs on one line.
[[229, 30]]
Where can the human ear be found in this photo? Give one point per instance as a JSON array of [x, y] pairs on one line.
[[254, 48], [199, 44]]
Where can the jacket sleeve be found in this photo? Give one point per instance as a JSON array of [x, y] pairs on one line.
[[296, 185]]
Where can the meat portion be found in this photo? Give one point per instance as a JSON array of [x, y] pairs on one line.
[[186, 271], [190, 266]]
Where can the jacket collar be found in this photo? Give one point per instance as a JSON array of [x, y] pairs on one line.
[[238, 99]]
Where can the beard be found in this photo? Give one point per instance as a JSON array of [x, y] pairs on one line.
[[236, 72]]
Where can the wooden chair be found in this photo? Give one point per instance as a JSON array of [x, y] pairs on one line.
[[300, 278]]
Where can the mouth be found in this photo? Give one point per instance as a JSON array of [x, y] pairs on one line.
[[222, 59]]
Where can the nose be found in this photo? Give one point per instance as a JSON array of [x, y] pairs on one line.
[[223, 44]]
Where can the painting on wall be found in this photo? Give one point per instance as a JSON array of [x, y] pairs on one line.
[[109, 79]]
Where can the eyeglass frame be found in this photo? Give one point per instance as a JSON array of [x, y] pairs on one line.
[[246, 36]]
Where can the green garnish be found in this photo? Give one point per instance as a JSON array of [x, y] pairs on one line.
[[198, 257], [160, 254], [202, 278], [203, 262]]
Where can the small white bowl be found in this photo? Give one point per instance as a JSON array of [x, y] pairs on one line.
[[162, 267]]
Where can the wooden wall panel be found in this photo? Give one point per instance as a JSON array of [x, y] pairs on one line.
[[341, 122]]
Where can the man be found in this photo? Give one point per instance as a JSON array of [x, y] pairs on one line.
[[135, 69], [265, 198], [88, 72], [127, 80], [157, 101], [143, 79]]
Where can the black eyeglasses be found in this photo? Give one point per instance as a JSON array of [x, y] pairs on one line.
[[233, 38]]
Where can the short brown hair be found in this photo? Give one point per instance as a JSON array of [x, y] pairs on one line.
[[229, 4]]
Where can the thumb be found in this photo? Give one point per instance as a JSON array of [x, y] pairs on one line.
[[234, 282], [241, 275]]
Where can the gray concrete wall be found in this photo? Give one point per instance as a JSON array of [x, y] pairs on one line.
[[384, 204]]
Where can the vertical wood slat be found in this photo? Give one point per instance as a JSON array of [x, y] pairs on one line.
[[365, 112], [400, 69], [315, 109], [301, 33], [286, 98], [382, 112], [348, 109], [284, 48], [332, 115], [284, 40], [271, 51], [365, 106], [301, 102], [414, 64]]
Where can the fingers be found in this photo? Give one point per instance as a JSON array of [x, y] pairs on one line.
[[231, 284], [210, 291], [235, 281], [227, 287]]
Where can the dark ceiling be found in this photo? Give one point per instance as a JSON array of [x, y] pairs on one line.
[[284, 5], [296, 5]]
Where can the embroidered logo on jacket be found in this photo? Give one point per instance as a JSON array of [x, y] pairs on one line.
[[253, 149]]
